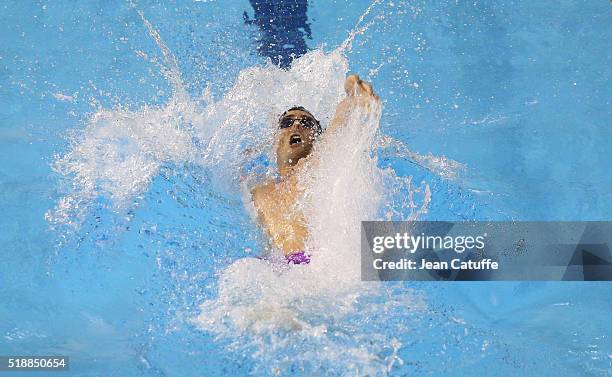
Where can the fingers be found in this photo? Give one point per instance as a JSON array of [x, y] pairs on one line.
[[354, 86], [366, 87], [350, 84]]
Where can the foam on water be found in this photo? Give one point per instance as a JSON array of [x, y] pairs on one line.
[[318, 317], [308, 317]]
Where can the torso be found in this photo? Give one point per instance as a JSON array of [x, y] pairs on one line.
[[277, 205]]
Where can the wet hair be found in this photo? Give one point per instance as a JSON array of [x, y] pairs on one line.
[[301, 108]]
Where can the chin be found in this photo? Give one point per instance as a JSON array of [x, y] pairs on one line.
[[303, 152]]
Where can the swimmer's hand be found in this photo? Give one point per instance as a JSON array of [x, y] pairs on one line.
[[356, 87], [359, 96]]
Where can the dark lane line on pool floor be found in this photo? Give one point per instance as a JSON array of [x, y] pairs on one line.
[[284, 27]]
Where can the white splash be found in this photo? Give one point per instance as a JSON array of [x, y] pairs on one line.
[[439, 165], [315, 317], [305, 317], [63, 97]]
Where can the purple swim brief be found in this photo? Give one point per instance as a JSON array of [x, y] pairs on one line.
[[298, 258]]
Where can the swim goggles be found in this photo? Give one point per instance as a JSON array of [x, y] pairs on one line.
[[306, 122]]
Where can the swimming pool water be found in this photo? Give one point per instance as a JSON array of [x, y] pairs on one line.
[[516, 96]]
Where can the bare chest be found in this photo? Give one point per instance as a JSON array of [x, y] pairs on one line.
[[280, 209]]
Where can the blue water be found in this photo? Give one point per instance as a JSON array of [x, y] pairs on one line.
[[518, 93]]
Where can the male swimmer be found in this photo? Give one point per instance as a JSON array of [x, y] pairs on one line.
[[276, 200]]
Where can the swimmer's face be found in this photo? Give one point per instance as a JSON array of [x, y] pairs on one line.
[[297, 131]]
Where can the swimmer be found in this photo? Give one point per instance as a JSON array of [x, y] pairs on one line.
[[276, 202]]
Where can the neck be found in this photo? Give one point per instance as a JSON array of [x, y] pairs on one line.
[[286, 170]]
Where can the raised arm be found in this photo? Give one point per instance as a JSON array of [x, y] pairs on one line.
[[358, 94], [359, 98]]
